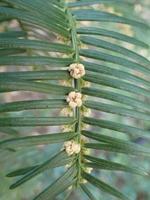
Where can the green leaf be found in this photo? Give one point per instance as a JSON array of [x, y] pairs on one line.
[[114, 48], [36, 75], [35, 121], [21, 171], [14, 84], [116, 126], [112, 34], [51, 163], [34, 45], [87, 191], [117, 97], [26, 170], [4, 18], [103, 164], [13, 34], [37, 140], [31, 18], [103, 138], [114, 145], [103, 186], [9, 131], [34, 7], [117, 73], [34, 60], [8, 52], [114, 59], [115, 83], [58, 186], [128, 149], [89, 2], [33, 104], [110, 108], [96, 15]]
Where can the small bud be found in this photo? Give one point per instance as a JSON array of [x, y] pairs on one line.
[[84, 139], [85, 126], [67, 128], [83, 181], [77, 70], [87, 112], [89, 170], [68, 165], [72, 147], [66, 82], [67, 112], [86, 84], [74, 99]]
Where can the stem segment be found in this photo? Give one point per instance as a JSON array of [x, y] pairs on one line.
[[77, 86]]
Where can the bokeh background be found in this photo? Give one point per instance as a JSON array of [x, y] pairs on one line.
[[138, 188]]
